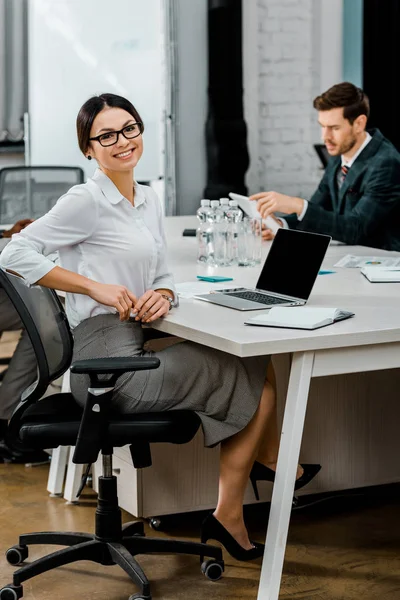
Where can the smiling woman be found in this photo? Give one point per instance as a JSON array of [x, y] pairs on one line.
[[110, 130], [109, 234]]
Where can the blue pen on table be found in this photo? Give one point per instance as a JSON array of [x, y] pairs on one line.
[[325, 272]]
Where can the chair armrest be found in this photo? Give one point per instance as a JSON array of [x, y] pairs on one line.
[[94, 423], [117, 365]]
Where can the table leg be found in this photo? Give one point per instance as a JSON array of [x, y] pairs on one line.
[[59, 456], [281, 504], [58, 465], [74, 477]]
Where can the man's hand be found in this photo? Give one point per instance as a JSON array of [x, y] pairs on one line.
[[268, 234], [270, 202], [151, 306], [19, 226], [117, 296]]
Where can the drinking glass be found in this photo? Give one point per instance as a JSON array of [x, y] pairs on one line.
[[249, 242]]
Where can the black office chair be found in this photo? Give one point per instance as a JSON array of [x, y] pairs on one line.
[[323, 154], [5, 360], [57, 420], [30, 192]]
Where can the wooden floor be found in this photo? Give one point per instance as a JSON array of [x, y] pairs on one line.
[[346, 549]]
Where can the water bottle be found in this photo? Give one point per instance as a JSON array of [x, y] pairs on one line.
[[218, 213], [224, 204], [233, 216], [219, 233], [223, 259], [203, 215]]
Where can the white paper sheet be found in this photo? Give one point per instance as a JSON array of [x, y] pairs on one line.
[[189, 289], [351, 261]]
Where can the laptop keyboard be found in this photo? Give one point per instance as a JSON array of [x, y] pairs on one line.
[[256, 297]]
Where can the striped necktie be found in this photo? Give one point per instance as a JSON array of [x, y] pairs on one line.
[[342, 175]]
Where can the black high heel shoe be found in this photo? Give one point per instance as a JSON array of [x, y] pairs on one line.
[[212, 529], [260, 472]]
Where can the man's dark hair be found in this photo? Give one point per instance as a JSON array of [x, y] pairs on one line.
[[347, 96]]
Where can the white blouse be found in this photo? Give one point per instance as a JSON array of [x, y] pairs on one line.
[[99, 234]]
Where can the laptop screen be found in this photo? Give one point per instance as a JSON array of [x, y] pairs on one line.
[[293, 262]]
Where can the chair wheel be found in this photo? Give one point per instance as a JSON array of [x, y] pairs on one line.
[[16, 555], [155, 523], [135, 528], [213, 569], [11, 592], [137, 597]]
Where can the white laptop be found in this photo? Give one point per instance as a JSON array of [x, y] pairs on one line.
[[287, 277]]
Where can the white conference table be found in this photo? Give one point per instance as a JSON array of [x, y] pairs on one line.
[[369, 341]]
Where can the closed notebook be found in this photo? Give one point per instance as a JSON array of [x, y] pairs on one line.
[[381, 274], [299, 317]]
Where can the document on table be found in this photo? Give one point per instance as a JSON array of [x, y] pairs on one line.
[[189, 289], [351, 261]]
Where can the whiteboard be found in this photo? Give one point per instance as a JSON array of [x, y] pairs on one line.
[[78, 48]]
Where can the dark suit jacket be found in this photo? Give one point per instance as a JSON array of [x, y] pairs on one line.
[[366, 210]]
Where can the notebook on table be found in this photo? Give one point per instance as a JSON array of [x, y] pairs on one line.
[[302, 317], [287, 277], [381, 274]]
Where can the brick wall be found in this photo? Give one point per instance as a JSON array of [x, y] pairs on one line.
[[282, 74]]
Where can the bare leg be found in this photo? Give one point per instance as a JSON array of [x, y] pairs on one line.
[[269, 446], [236, 459]]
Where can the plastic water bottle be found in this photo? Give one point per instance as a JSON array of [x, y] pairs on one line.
[[219, 233], [218, 213], [224, 203], [233, 216], [203, 214]]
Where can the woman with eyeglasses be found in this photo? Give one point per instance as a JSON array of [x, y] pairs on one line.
[[110, 238]]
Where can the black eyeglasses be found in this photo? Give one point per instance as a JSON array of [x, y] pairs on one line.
[[111, 137]]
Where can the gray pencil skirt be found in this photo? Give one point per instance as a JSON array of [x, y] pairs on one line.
[[224, 390]]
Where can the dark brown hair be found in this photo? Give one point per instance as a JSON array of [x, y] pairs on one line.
[[347, 96], [91, 109]]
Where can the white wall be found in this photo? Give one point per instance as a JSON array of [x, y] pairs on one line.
[[80, 48], [292, 52], [191, 103]]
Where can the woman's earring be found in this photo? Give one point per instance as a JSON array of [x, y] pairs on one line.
[[89, 157]]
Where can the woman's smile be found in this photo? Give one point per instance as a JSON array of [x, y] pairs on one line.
[[125, 154]]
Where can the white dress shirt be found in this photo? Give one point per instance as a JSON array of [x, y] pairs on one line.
[[348, 164], [99, 234], [3, 243]]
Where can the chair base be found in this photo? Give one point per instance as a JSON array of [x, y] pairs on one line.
[[112, 544], [85, 546]]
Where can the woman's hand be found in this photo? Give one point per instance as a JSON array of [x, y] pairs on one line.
[[117, 296], [151, 306]]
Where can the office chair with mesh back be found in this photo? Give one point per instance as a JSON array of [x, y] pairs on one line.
[[323, 154], [58, 420], [30, 192]]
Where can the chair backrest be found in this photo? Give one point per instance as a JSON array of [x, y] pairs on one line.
[[45, 321], [323, 154], [30, 192]]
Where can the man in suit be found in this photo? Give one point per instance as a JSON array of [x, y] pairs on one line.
[[21, 371], [358, 199]]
